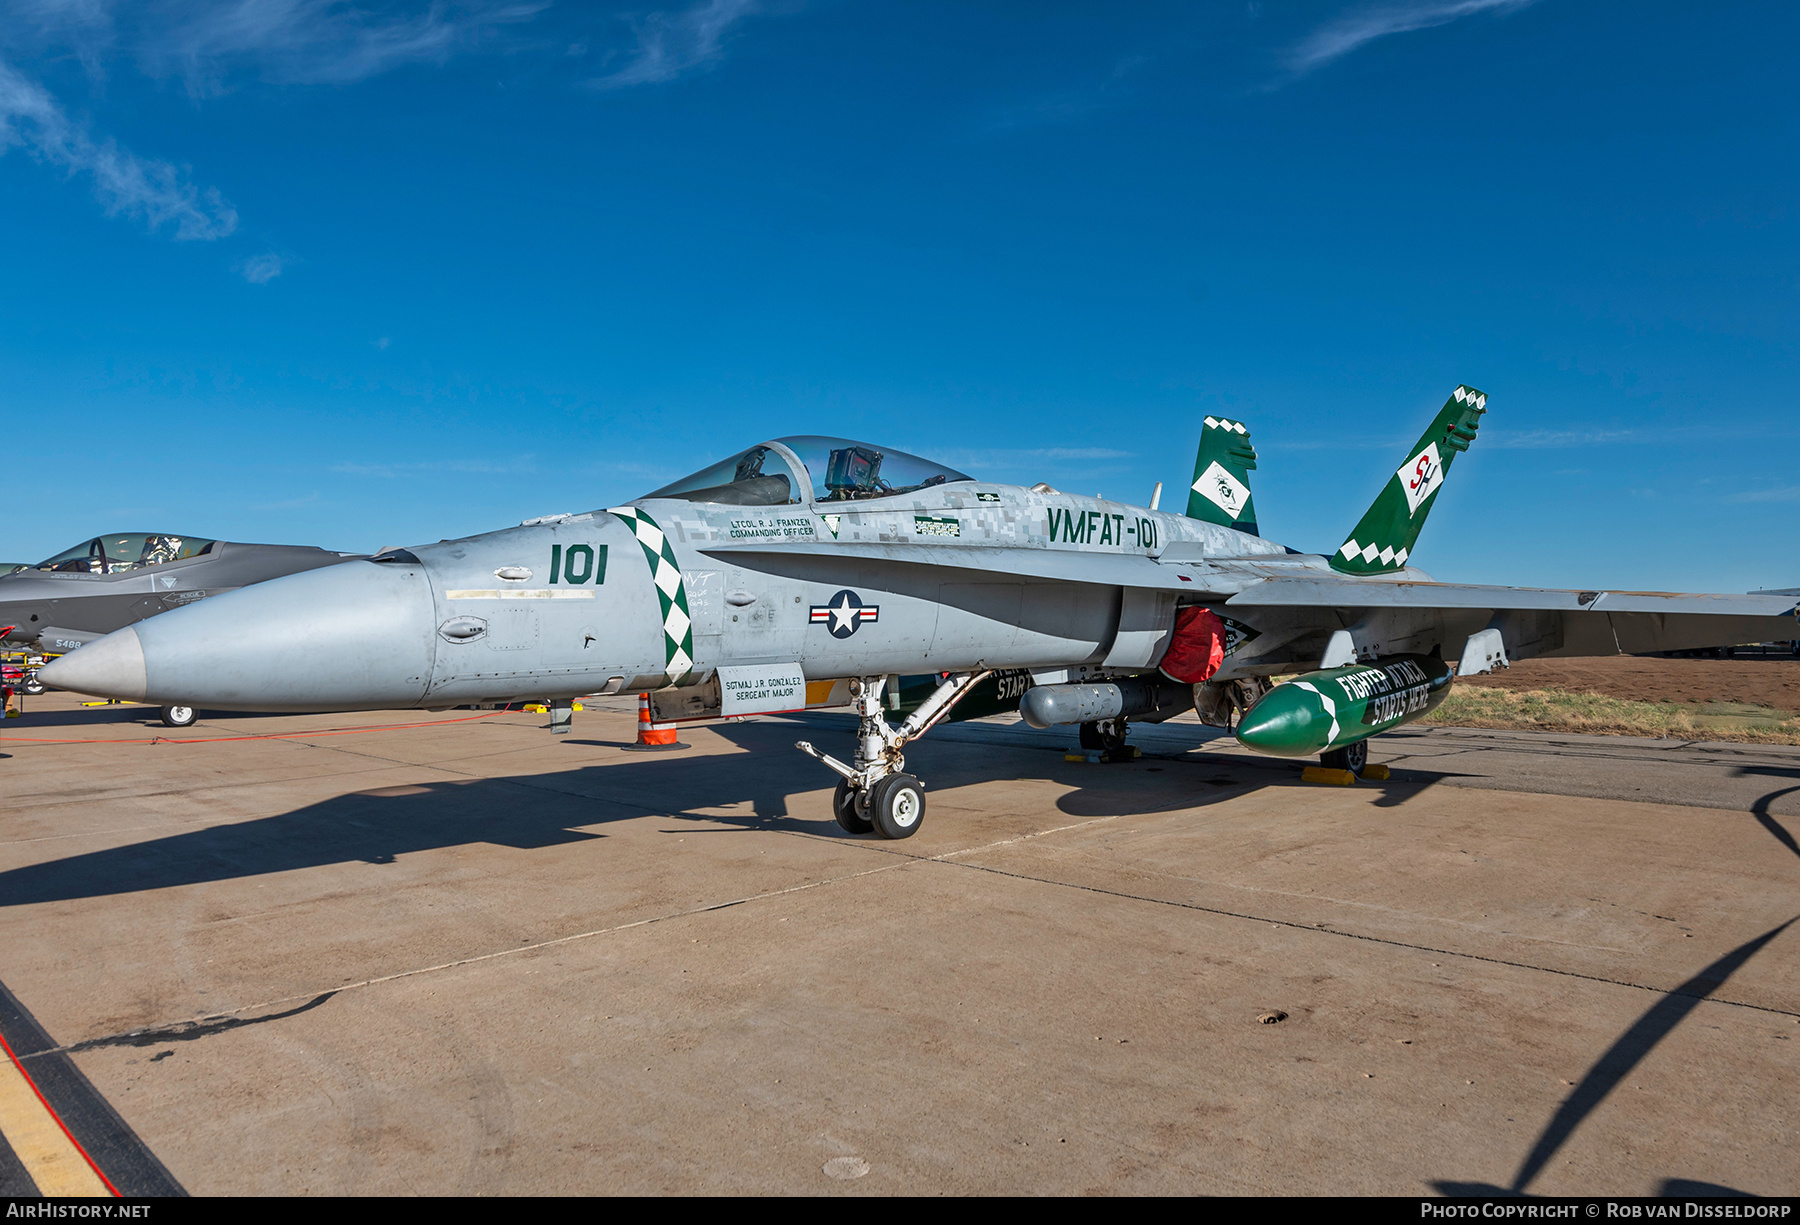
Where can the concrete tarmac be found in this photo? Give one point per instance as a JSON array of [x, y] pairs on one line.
[[406, 953]]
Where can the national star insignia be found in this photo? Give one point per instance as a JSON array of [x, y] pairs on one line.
[[844, 614]]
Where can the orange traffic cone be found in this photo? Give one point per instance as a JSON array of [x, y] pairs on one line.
[[653, 737]]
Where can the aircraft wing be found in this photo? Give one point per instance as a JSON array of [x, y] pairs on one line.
[[1534, 621], [1546, 621], [1380, 593]]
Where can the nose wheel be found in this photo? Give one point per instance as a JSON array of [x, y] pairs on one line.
[[874, 795], [179, 716], [897, 806], [843, 807], [893, 807]]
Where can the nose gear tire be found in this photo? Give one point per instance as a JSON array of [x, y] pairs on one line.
[[897, 806], [179, 716], [843, 807]]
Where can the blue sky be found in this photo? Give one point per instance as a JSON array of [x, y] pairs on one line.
[[294, 271]]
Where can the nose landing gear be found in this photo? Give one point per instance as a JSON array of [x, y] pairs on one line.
[[843, 807], [875, 795], [897, 805]]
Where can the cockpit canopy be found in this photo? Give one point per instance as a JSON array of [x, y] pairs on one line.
[[124, 551], [789, 471]]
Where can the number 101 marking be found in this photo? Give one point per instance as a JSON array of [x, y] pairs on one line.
[[581, 563]]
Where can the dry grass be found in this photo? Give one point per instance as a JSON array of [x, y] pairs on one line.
[[1563, 711]]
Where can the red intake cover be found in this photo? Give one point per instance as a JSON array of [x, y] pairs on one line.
[[1197, 649]]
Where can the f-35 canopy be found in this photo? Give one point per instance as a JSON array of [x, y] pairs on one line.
[[792, 471], [124, 551]]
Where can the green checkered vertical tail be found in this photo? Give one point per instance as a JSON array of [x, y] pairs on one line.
[[1221, 489], [665, 572], [1385, 538]]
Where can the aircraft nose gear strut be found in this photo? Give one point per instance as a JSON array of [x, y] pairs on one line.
[[874, 793]]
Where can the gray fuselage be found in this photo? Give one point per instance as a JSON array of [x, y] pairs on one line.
[[665, 591]]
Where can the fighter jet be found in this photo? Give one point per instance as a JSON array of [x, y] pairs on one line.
[[809, 571], [86, 592]]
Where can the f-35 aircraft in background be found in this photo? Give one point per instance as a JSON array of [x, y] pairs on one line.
[[808, 571], [111, 581]]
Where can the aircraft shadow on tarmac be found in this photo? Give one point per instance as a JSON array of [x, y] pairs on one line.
[[97, 716], [81, 716], [1614, 1066], [1760, 810], [747, 791], [544, 811], [970, 754]]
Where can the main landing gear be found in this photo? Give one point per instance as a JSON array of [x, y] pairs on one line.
[[1107, 739], [1108, 736], [873, 794], [1352, 757]]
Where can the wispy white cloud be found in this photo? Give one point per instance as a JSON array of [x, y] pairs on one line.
[[313, 41], [1490, 440], [1064, 106], [211, 44], [1070, 453], [1360, 442], [158, 192], [311, 499], [1045, 111], [82, 26], [524, 465], [1781, 493], [1544, 440], [205, 42], [261, 269], [1368, 22], [286, 41], [1045, 459], [670, 44]]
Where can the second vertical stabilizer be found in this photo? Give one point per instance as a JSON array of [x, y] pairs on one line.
[[1221, 490], [1385, 536]]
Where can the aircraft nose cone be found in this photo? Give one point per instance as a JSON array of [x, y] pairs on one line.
[[1290, 721], [111, 667], [355, 636]]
